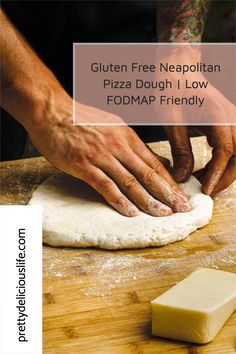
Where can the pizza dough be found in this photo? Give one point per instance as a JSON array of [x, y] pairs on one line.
[[75, 215]]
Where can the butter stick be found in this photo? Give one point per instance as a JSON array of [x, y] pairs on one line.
[[196, 308]]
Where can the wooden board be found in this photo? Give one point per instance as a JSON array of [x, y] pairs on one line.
[[98, 302]]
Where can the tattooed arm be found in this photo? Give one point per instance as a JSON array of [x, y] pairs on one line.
[[181, 21]]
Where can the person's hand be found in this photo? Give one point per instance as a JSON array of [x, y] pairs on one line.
[[220, 171], [112, 159]]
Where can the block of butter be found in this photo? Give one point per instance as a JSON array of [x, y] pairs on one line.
[[196, 308]]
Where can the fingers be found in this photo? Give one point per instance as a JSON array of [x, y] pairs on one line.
[[181, 152], [156, 180], [228, 177], [165, 162], [130, 176], [108, 189], [222, 139], [220, 171], [216, 167], [132, 188]]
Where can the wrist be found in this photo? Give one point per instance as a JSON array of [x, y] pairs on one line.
[[31, 101], [181, 54]]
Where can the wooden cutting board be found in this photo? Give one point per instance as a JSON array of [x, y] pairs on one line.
[[98, 302]]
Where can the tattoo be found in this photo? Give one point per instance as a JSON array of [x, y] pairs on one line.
[[182, 21]]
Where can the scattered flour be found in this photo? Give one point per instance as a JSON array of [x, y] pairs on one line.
[[111, 270]]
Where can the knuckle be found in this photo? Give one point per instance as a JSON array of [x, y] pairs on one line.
[[150, 176], [228, 150], [121, 201], [98, 147], [81, 160], [182, 153], [120, 146], [130, 131], [106, 185], [156, 166], [130, 182], [103, 162], [90, 177], [131, 134]]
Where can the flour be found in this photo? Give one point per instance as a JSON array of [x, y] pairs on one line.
[[76, 215], [113, 270]]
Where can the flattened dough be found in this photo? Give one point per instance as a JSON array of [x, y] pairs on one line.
[[75, 215]]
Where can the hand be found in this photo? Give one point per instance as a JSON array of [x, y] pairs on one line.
[[112, 159], [220, 171]]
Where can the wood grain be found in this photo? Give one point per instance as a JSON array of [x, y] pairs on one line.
[[98, 302]]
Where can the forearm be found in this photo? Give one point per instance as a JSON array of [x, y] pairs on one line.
[[27, 85], [181, 21]]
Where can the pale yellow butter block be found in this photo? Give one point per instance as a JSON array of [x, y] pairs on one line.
[[196, 308]]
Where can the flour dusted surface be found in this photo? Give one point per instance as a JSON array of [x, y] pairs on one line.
[[76, 215]]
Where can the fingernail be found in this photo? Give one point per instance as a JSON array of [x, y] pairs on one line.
[[182, 207], [132, 210], [179, 204], [156, 208], [125, 208]]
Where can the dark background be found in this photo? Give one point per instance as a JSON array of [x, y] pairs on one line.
[[52, 26]]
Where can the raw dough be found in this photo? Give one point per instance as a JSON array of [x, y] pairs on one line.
[[76, 215]]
